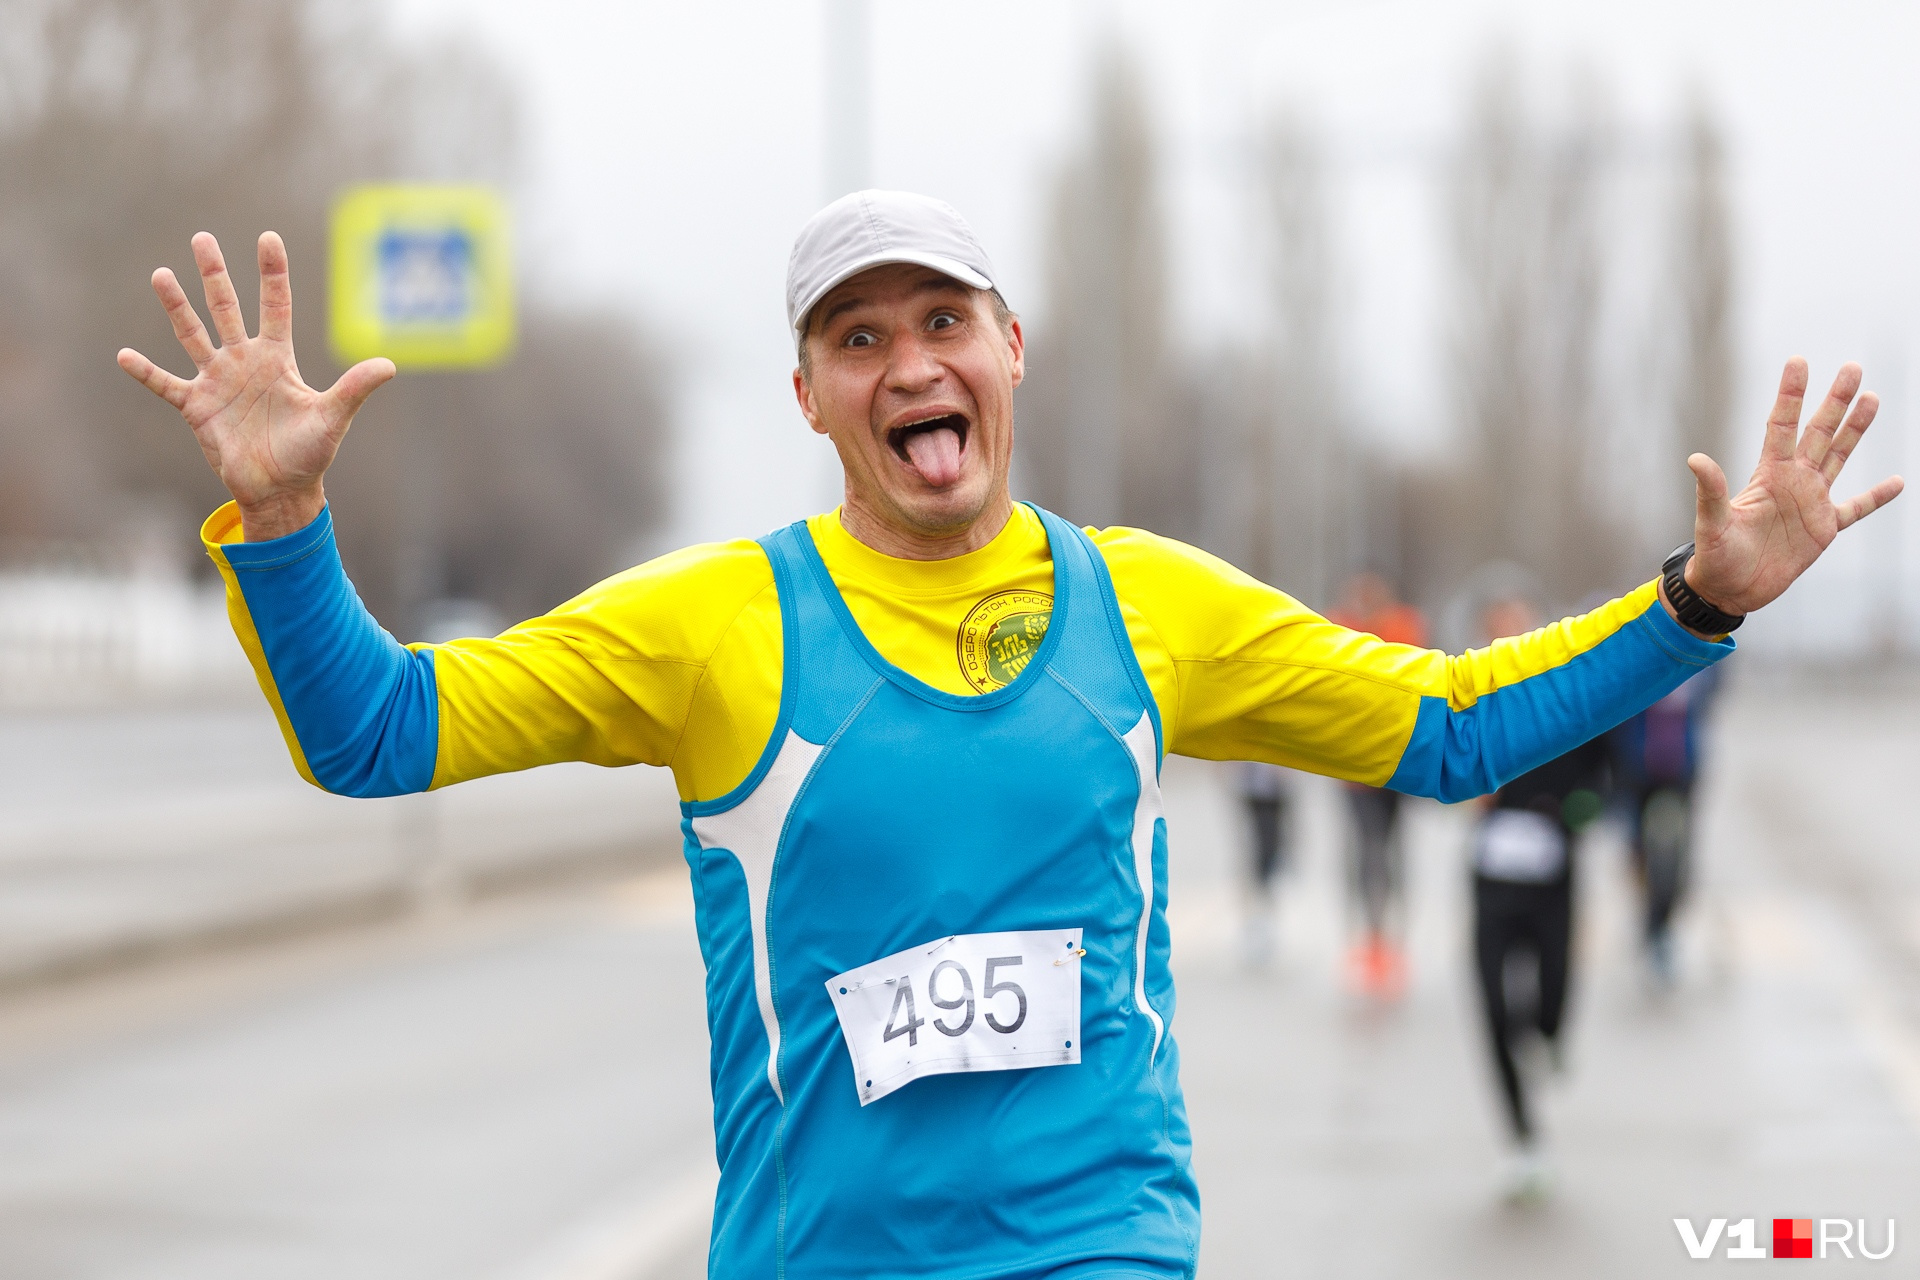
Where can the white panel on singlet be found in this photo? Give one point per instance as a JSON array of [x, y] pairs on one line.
[[1147, 811], [750, 831]]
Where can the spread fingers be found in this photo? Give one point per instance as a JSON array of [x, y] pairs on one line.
[[155, 379], [1849, 435], [1826, 418], [223, 304], [1865, 504], [185, 320], [1783, 424], [276, 289]]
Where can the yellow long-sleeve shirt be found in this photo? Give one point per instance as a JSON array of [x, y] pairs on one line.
[[678, 663]]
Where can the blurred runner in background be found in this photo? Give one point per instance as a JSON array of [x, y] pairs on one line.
[[1523, 917], [1369, 603], [1656, 756], [1266, 791]]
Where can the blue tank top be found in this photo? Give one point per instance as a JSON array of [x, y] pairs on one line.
[[885, 813]]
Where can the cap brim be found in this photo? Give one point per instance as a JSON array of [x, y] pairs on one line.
[[944, 265]]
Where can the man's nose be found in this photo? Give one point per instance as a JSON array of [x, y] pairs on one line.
[[912, 366]]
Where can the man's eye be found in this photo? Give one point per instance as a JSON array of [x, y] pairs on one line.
[[861, 339], [944, 320]]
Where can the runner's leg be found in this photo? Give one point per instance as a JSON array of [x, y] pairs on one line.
[[1666, 826], [1666, 831], [1496, 930], [1391, 860], [1552, 932], [1373, 828], [1264, 813], [1376, 961]]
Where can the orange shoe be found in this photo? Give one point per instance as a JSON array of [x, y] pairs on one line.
[[1379, 969], [1390, 967]]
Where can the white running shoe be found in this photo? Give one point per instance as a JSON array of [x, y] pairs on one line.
[[1663, 965], [1525, 1177], [1257, 941]]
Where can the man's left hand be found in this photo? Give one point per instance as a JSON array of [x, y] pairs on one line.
[[1749, 548]]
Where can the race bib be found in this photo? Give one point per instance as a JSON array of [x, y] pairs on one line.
[[971, 1002]]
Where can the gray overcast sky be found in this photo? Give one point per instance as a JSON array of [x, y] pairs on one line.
[[677, 148]]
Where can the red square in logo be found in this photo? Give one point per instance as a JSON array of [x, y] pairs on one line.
[[1793, 1237]]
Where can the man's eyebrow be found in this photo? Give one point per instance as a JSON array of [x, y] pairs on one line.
[[845, 304], [934, 283]]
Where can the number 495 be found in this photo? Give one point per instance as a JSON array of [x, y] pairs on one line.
[[964, 999]]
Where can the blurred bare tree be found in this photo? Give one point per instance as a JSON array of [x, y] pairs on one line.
[[1701, 273], [1295, 538], [1106, 425], [1286, 483], [1531, 238], [127, 125]]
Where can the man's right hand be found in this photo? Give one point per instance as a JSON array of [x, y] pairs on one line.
[[267, 434]]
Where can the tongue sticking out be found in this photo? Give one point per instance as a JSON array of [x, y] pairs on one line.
[[935, 455]]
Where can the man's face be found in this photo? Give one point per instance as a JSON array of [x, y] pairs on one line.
[[912, 379]]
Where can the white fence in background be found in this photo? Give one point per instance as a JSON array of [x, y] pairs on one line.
[[76, 636]]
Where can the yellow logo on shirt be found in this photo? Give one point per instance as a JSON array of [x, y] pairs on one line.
[[1000, 635]]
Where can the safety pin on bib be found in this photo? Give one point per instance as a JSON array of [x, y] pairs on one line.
[[1077, 953]]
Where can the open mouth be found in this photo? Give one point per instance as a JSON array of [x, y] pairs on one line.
[[932, 446]]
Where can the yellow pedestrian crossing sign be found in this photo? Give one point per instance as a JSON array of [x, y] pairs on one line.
[[421, 273]]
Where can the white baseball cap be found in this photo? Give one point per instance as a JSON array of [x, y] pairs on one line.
[[872, 228]]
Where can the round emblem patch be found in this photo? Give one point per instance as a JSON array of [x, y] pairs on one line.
[[1000, 635]]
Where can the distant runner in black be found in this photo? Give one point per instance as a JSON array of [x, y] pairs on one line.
[[1523, 916]]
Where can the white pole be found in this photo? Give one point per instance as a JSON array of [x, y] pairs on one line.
[[849, 97]]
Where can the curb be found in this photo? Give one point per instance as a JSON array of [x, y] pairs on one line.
[[315, 917]]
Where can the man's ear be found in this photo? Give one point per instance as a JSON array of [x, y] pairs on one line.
[[803, 393], [1017, 340]]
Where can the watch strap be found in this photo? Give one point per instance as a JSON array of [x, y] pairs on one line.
[[1693, 611]]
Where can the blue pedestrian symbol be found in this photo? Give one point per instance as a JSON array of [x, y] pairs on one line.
[[426, 276]]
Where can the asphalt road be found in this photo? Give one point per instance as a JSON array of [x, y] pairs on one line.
[[517, 1090]]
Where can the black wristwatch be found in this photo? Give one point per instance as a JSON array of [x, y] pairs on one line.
[[1692, 611]]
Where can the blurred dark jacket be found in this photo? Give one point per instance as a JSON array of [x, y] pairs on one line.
[[1660, 747]]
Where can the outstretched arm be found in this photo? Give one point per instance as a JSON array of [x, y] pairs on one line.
[[357, 710], [608, 679], [1526, 700], [1243, 672]]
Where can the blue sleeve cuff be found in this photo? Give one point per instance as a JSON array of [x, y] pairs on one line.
[[283, 550], [1683, 644]]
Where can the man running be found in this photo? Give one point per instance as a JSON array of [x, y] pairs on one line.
[[918, 741]]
